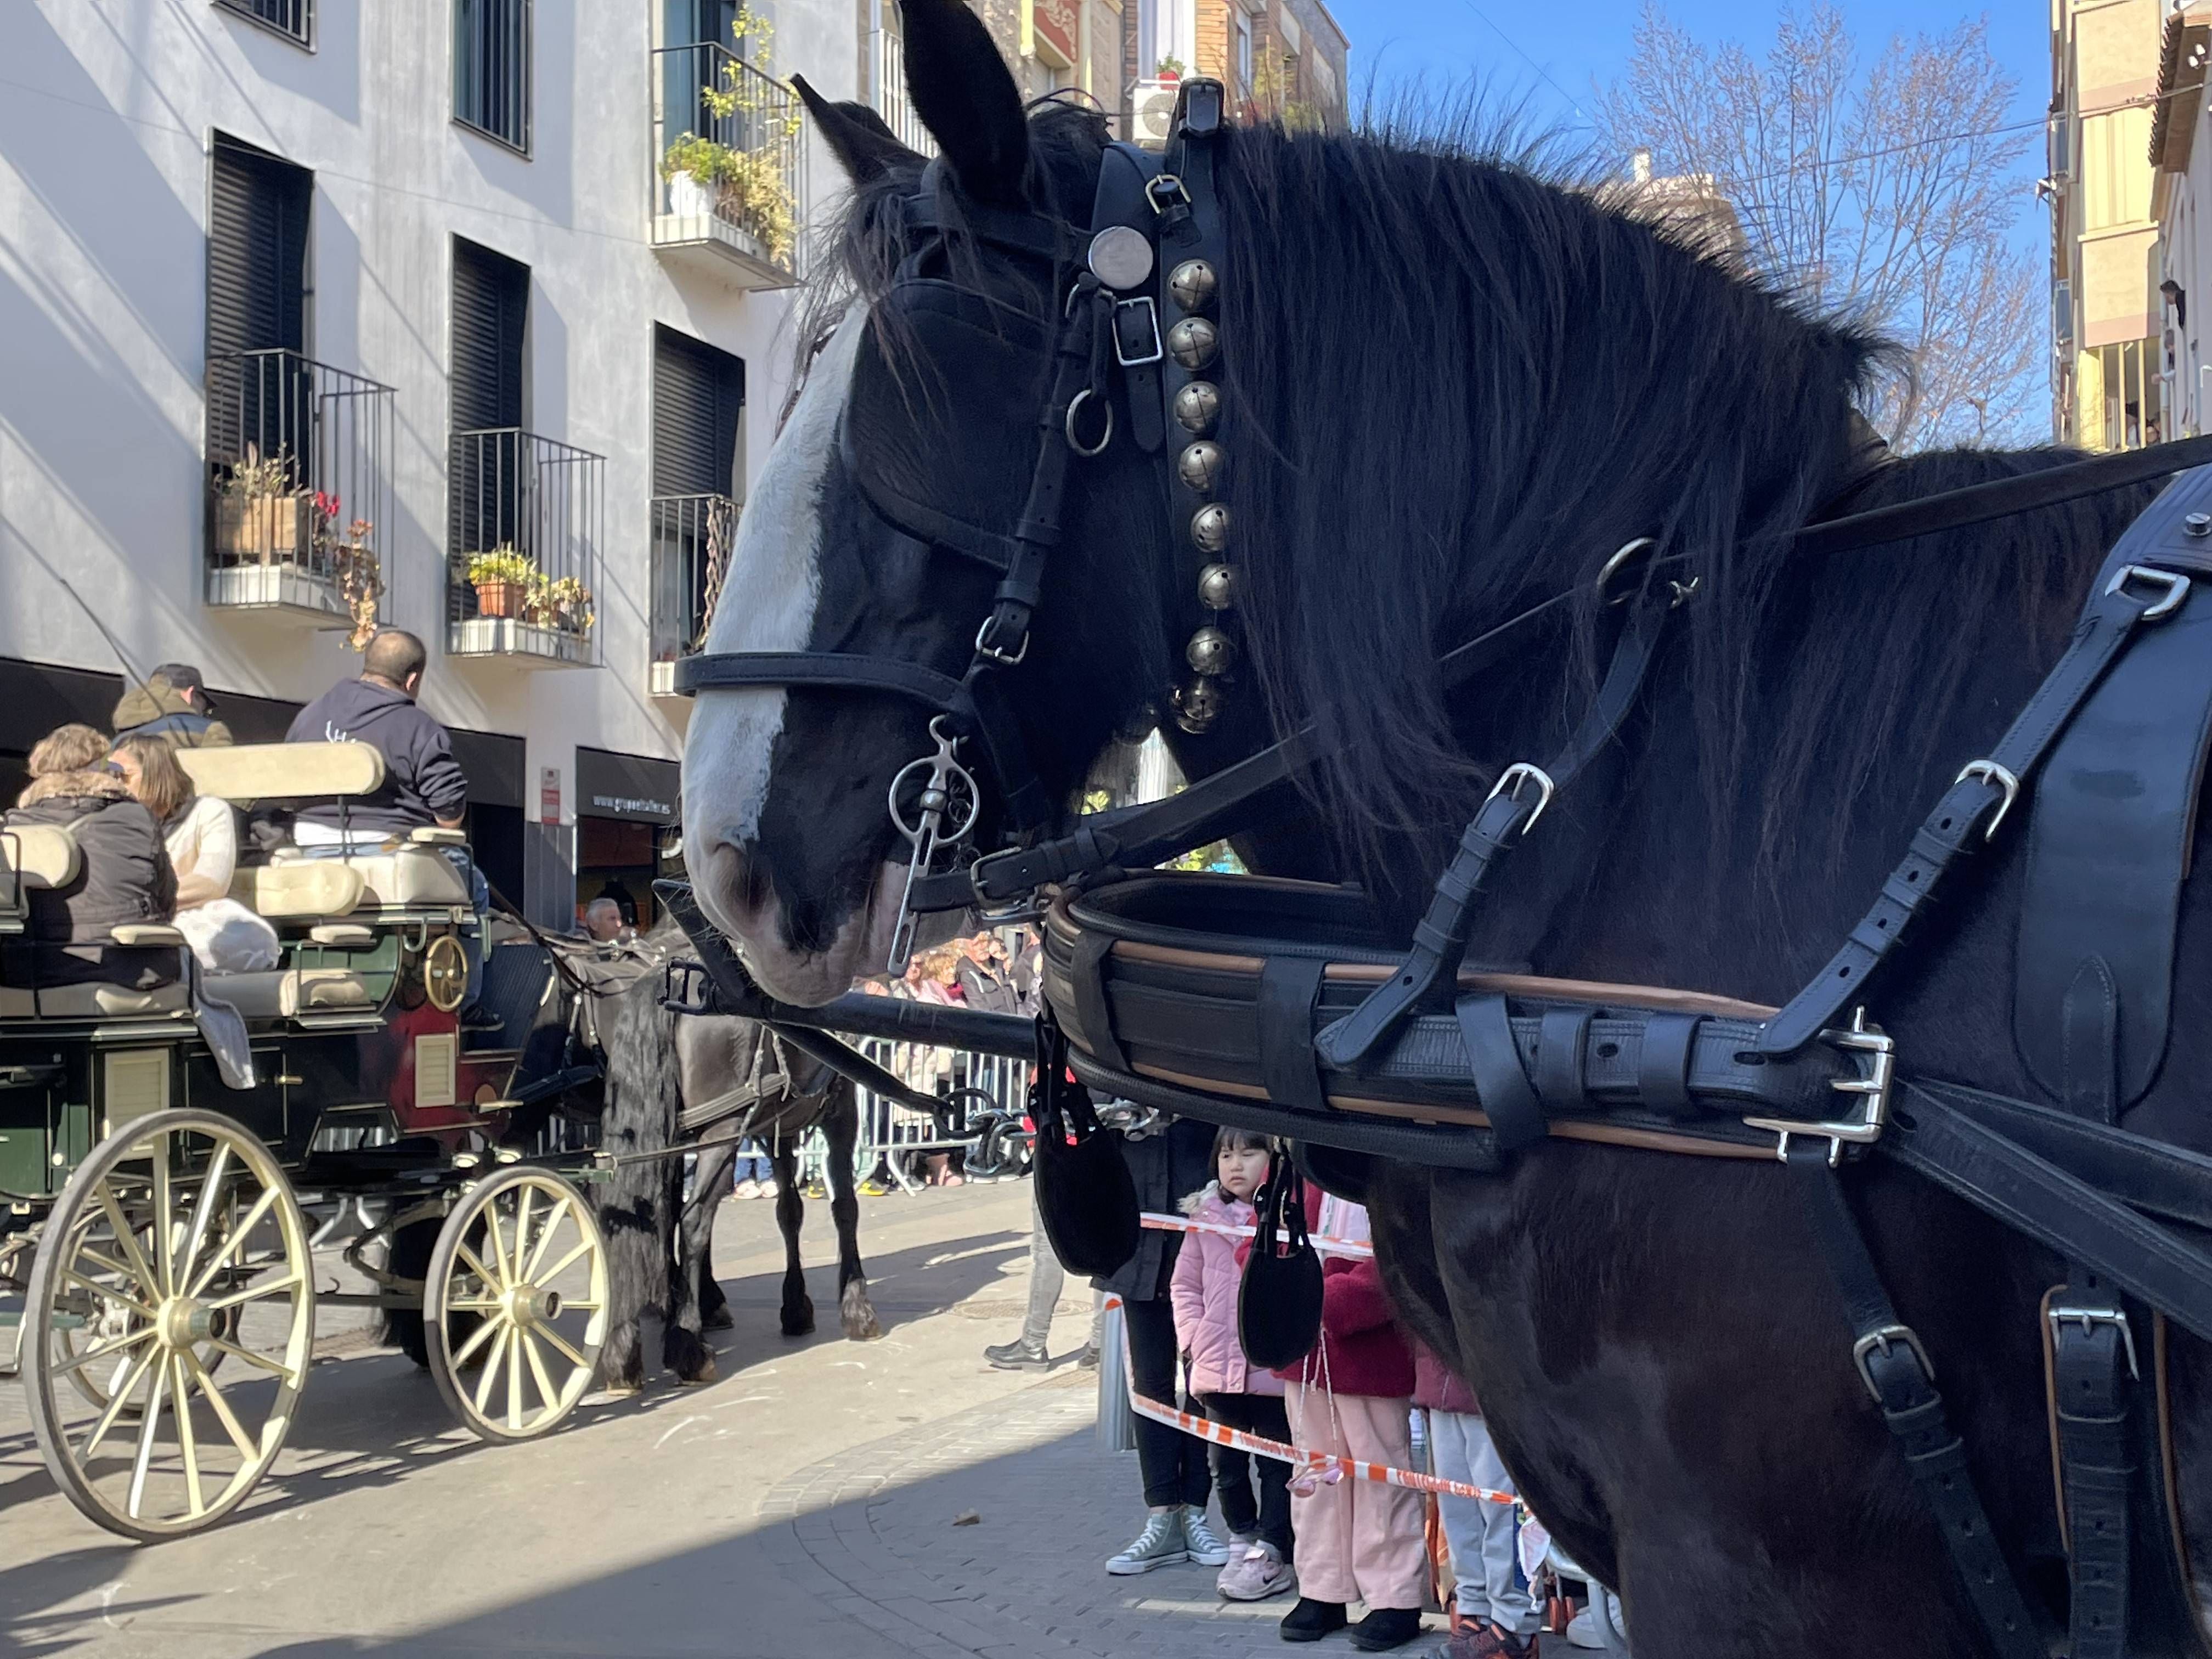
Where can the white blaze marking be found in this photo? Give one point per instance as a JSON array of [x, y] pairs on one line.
[[768, 603]]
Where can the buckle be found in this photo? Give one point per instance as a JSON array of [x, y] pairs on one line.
[[1509, 784], [991, 654], [1151, 325], [2175, 584], [1871, 1087], [1882, 1341], [2089, 1318], [1165, 190], [1989, 772]]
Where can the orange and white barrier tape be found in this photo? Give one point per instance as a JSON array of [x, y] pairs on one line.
[[1327, 1466], [1360, 1248]]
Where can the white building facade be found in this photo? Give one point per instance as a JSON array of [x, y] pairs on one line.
[[300, 299]]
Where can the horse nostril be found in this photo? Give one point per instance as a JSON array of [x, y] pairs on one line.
[[734, 889]]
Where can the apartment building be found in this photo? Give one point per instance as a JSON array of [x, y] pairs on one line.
[[1277, 59], [2105, 375], [320, 313], [2181, 198]]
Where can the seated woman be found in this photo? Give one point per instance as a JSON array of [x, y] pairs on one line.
[[122, 876], [202, 836]]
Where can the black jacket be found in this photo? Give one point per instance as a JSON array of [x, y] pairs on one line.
[[123, 876], [422, 782], [1165, 1168]]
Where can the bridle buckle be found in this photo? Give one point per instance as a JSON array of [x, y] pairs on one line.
[[1870, 1088], [2089, 1318], [2175, 584], [992, 653], [1881, 1342]]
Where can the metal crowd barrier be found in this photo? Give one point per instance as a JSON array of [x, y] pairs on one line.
[[894, 1137]]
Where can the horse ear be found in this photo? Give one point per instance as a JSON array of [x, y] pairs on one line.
[[965, 96], [856, 135]]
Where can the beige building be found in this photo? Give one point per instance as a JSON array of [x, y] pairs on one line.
[[2181, 202], [2104, 302], [1051, 45]]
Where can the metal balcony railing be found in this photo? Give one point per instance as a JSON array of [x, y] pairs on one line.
[[692, 538], [728, 151], [299, 496], [293, 18], [527, 522], [887, 90]]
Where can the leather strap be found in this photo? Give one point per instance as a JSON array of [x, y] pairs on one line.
[[1559, 1049], [1663, 1070], [1288, 986], [1087, 974], [2113, 825], [1967, 815], [1123, 172], [1893, 1366], [1440, 938], [2092, 1355], [1516, 1118]]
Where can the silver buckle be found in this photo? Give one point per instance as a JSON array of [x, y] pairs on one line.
[[992, 653], [1153, 317], [2176, 586], [2090, 1318], [1510, 781], [1883, 1339], [1171, 187], [1989, 772], [1864, 1128]]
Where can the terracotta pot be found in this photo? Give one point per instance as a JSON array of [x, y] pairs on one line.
[[500, 599]]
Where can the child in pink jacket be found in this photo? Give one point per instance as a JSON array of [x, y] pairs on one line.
[[1207, 1275]]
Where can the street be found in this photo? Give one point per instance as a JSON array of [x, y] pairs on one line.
[[809, 1502]]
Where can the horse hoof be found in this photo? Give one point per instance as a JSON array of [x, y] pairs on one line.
[[707, 1372], [858, 1318], [720, 1320], [800, 1328]]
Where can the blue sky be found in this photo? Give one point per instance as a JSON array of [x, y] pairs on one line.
[[1575, 42]]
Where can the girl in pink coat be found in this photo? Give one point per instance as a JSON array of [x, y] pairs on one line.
[[1207, 1276]]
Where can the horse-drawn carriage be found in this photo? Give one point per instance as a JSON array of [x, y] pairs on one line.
[[170, 1141]]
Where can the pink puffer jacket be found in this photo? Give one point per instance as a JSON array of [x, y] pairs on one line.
[[1207, 1277]]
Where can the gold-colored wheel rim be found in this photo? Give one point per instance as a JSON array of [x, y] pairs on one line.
[[177, 1248], [515, 1307], [446, 973]]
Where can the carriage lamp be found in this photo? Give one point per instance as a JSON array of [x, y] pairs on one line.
[[1191, 284]]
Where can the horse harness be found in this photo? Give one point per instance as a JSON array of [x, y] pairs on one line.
[[1408, 1054]]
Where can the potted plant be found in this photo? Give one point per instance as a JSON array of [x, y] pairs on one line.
[[261, 514], [569, 603], [505, 581], [361, 583], [743, 185]]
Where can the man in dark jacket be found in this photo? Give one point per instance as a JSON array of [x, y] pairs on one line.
[[424, 784], [171, 703], [124, 875]]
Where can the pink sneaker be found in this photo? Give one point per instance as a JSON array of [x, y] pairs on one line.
[[1258, 1573]]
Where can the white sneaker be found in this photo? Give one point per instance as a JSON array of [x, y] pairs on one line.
[[1160, 1545], [746, 1188], [1207, 1549], [1256, 1574]]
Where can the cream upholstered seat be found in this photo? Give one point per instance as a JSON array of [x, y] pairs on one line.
[[298, 888], [408, 877], [287, 992], [93, 1001], [285, 771], [44, 854]]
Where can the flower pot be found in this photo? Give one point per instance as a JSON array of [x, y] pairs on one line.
[[501, 598], [688, 198], [263, 529]]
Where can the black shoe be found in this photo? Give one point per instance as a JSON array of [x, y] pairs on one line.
[[1088, 1360], [1017, 1356], [1384, 1628], [1311, 1620], [483, 1019]]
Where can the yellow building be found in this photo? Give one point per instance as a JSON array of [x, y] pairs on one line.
[[2105, 304]]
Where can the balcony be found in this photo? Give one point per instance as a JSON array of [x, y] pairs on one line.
[[727, 183], [527, 521], [299, 495], [692, 538], [887, 85]]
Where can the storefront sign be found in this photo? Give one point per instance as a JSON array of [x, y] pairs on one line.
[[548, 795], [632, 787], [1058, 27]]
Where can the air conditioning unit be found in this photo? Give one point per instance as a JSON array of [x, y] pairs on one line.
[[1152, 113]]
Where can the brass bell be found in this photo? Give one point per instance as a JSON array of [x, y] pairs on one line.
[[1193, 342], [1210, 651], [1197, 705], [1209, 527], [1191, 284], [1217, 587], [1200, 467], [1198, 406]]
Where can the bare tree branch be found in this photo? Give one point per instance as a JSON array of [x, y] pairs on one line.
[[1879, 190]]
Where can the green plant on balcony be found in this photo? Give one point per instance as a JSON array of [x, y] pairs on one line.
[[745, 184], [506, 582], [567, 605]]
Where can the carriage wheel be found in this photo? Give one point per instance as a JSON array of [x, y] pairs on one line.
[[523, 1253], [176, 1246]]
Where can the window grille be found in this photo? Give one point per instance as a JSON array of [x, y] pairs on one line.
[[491, 68], [293, 18]]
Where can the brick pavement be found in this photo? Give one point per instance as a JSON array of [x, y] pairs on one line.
[[1027, 1579]]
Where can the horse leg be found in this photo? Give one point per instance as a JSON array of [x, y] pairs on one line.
[[840, 1127], [643, 1093], [684, 1349], [790, 1211]]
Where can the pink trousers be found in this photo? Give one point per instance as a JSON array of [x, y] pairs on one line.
[[1358, 1540]]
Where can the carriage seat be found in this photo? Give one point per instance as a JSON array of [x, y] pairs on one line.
[[249, 772], [310, 890], [46, 855], [286, 993]]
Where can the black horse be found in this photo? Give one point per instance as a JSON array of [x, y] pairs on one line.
[[667, 1078], [1452, 385]]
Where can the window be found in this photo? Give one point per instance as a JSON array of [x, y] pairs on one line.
[[491, 301], [491, 68], [2118, 408], [698, 393], [293, 18], [256, 305], [1242, 24]]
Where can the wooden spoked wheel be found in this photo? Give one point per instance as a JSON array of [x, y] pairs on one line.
[[176, 1247], [515, 1306]]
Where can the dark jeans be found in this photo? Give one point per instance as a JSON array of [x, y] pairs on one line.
[[1269, 1517], [1174, 1463]]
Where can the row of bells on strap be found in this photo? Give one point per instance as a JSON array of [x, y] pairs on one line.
[[1194, 342]]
